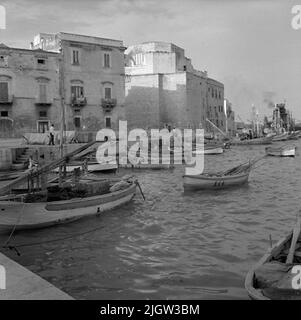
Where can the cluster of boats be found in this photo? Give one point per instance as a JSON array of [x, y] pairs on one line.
[[32, 200]]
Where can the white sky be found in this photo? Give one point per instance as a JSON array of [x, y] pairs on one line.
[[249, 45]]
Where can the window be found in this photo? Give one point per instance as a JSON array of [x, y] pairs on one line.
[[108, 122], [139, 59], [108, 93], [75, 57], [4, 113], [43, 114], [106, 60], [41, 61], [42, 92], [77, 122], [212, 93], [77, 91], [4, 91], [184, 68], [43, 126], [219, 94]]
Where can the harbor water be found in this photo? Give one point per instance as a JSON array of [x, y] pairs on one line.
[[176, 244]]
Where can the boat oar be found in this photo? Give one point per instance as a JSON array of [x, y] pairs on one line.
[[296, 233], [138, 184]]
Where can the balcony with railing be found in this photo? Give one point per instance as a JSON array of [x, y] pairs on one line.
[[78, 101], [108, 104], [43, 101], [6, 99]]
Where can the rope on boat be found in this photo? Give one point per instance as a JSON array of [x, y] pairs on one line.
[[15, 247], [138, 184], [13, 230]]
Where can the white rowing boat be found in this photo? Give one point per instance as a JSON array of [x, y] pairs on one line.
[[236, 176], [213, 181], [211, 150], [284, 151]]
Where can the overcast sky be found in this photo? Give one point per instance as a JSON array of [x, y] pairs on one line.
[[249, 45]]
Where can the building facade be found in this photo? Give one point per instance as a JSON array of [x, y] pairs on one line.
[[215, 105], [162, 87], [93, 79], [29, 91]]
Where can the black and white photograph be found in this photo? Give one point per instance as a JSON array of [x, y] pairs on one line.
[[150, 153]]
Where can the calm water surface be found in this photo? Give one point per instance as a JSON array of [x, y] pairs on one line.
[[175, 245]]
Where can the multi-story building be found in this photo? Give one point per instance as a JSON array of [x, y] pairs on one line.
[[162, 87], [29, 91], [215, 105], [93, 78]]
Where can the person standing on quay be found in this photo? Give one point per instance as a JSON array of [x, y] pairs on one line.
[[51, 135]]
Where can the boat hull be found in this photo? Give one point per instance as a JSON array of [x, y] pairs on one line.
[[92, 167], [212, 183], [218, 150], [281, 152], [253, 292], [22, 216], [258, 141]]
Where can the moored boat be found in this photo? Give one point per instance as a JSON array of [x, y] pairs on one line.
[[32, 201], [272, 277], [256, 141], [209, 150], [92, 166], [283, 151], [62, 205], [234, 177], [280, 137]]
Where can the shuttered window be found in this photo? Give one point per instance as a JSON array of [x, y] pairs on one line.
[[42, 92], [3, 91]]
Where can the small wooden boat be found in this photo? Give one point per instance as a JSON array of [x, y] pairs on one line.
[[234, 177], [31, 201], [284, 151], [91, 167], [280, 137], [39, 210], [272, 277], [209, 150], [256, 141]]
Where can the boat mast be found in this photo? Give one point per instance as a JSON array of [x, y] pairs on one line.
[[62, 98], [216, 128]]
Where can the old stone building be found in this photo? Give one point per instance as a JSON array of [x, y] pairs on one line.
[[93, 78], [215, 105], [162, 87], [29, 95]]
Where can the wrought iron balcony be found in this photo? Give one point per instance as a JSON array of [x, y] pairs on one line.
[[108, 104], [7, 100], [43, 102], [78, 101]]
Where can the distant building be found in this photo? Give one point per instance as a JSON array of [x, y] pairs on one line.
[[162, 87], [29, 93], [93, 77]]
